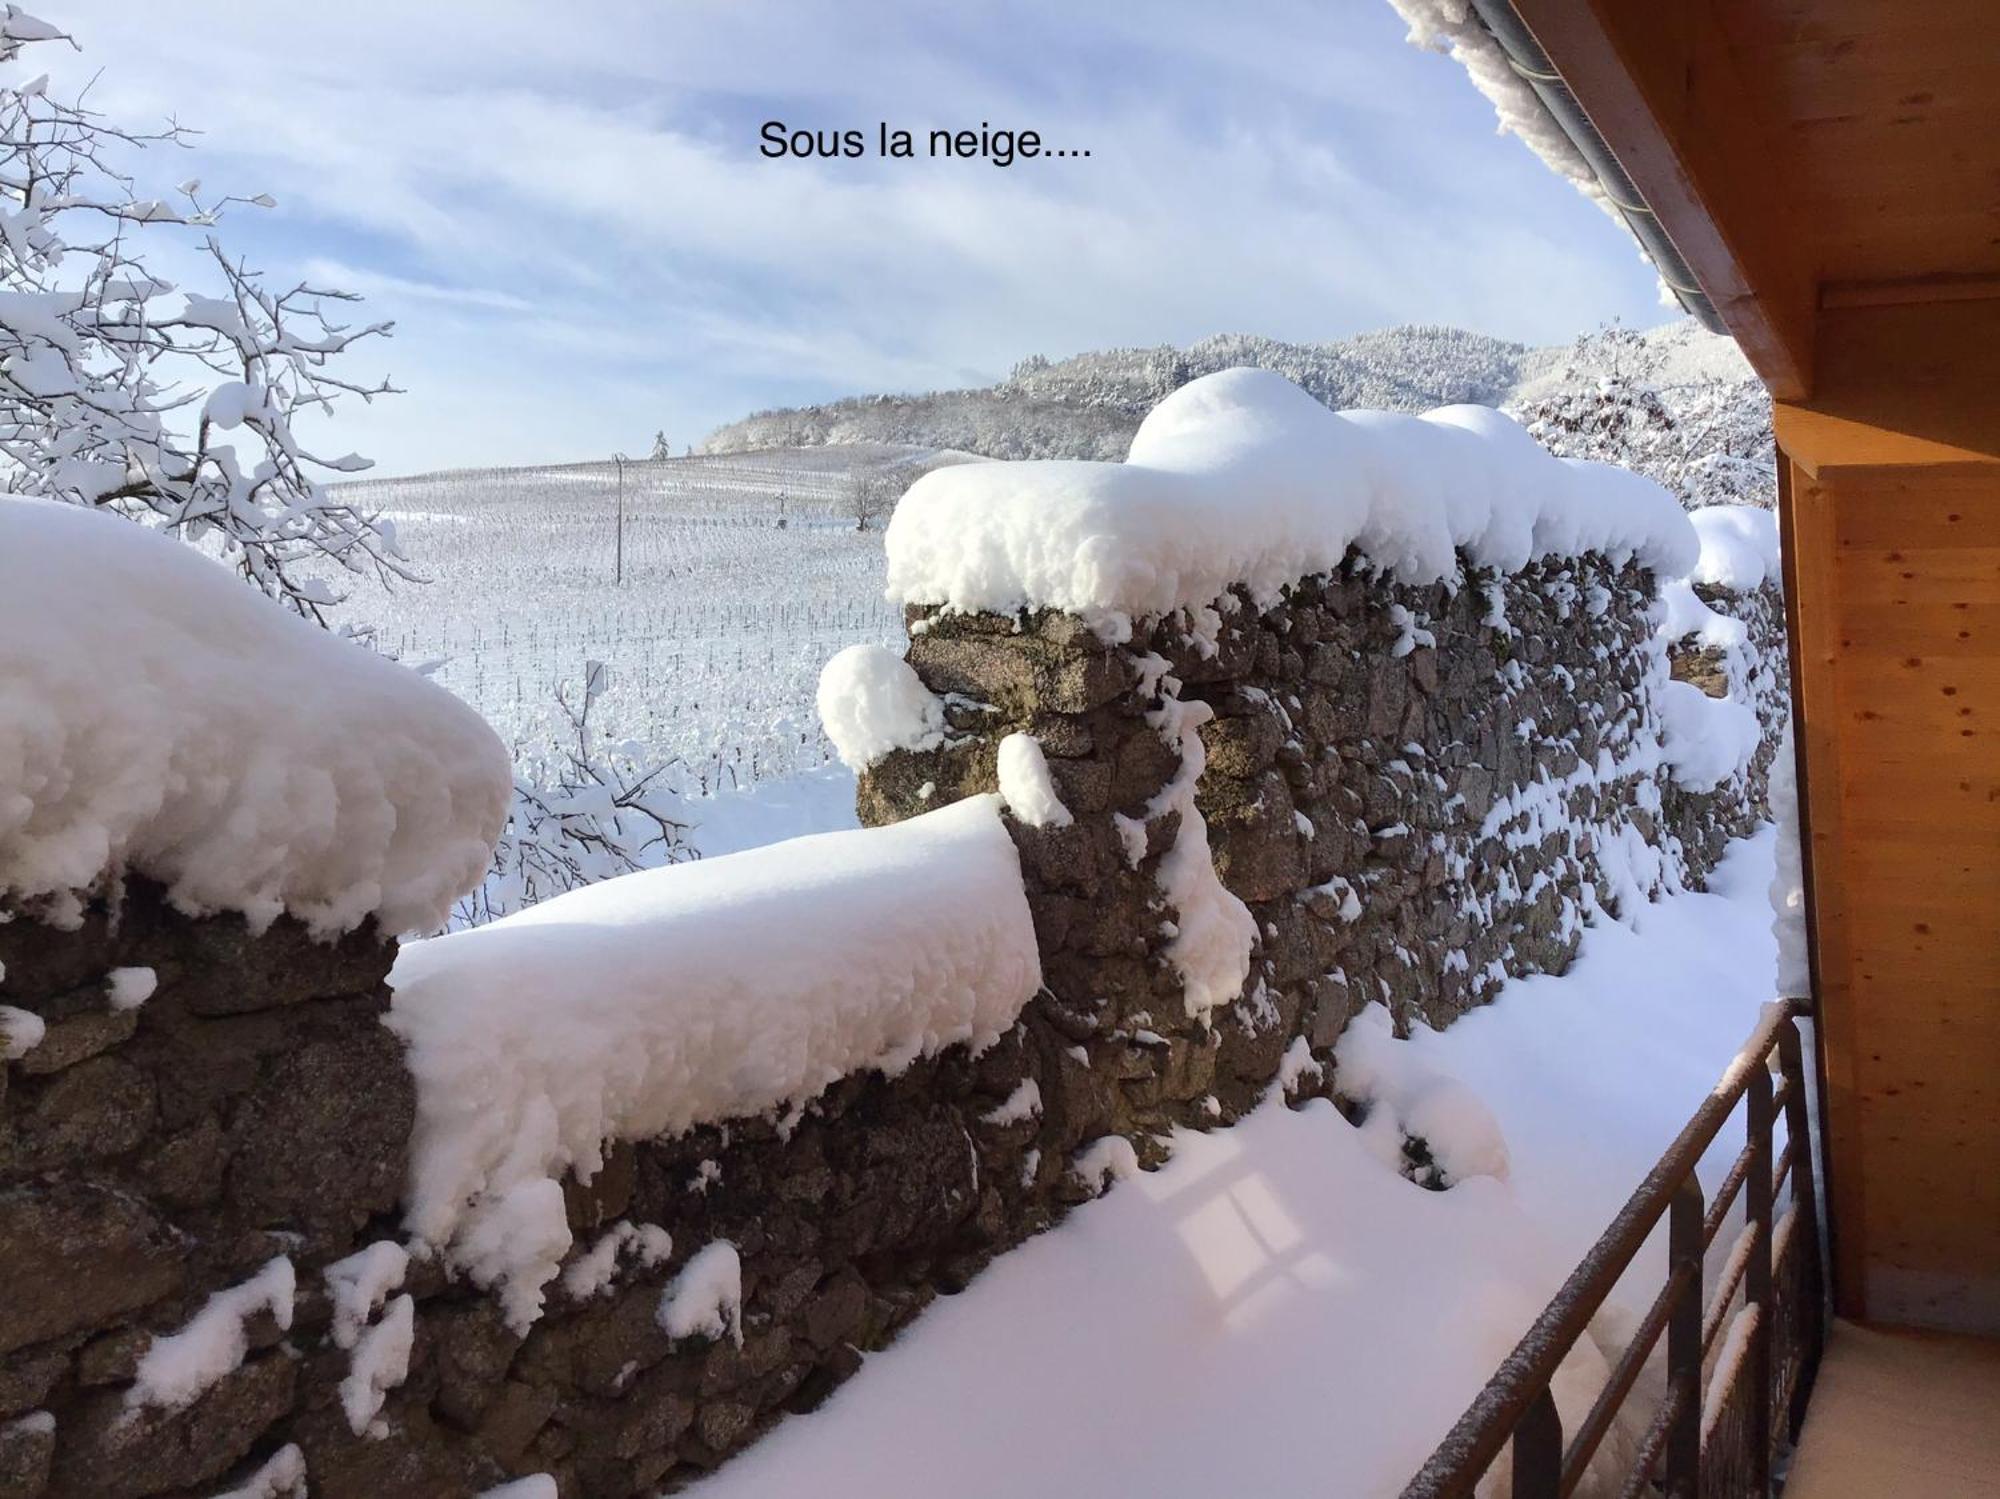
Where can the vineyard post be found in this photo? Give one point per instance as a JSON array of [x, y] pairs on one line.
[[618, 567]]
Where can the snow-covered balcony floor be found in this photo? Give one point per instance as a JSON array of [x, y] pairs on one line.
[[1277, 1310], [1912, 1414]]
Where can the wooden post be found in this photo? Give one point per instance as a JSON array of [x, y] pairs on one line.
[[618, 568]]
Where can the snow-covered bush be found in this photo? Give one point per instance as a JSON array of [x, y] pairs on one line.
[[1708, 439], [121, 391], [581, 812]]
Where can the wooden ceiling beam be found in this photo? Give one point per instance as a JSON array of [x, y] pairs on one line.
[[1902, 291], [1661, 86], [1900, 384]]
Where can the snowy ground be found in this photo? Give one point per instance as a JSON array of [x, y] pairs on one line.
[[812, 801], [1276, 1311], [715, 638]]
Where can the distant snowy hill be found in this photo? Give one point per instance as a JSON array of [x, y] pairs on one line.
[[1088, 405]]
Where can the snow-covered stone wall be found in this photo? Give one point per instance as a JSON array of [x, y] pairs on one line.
[[159, 718], [611, 1187], [1410, 792], [208, 1274]]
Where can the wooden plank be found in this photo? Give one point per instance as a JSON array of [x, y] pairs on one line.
[[1884, 117], [1917, 678], [1885, 575], [1906, 512], [1916, 858], [1901, 919], [1940, 68], [1916, 563], [1946, 631], [1905, 164], [1957, 236], [1824, 442], [1946, 1046], [1948, 985], [1887, 771], [1948, 832], [1806, 517], [1661, 85], [1949, 784], [1907, 29], [1915, 976], [1948, 286]]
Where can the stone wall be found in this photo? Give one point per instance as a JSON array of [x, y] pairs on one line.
[[254, 1107], [1756, 672], [1394, 776]]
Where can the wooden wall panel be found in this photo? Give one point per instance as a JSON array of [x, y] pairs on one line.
[[1897, 604]]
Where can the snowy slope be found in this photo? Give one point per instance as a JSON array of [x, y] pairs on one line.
[[1687, 354], [1277, 1311]]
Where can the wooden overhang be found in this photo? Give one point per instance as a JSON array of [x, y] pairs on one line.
[[1830, 170]]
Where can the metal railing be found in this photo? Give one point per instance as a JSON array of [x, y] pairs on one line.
[[1710, 1438]]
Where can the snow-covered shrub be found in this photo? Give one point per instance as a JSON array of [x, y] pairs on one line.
[[582, 811], [122, 391], [1708, 439]]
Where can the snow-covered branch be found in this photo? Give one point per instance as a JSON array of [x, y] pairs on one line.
[[584, 813], [120, 390]]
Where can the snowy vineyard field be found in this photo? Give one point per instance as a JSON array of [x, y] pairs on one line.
[[742, 575]]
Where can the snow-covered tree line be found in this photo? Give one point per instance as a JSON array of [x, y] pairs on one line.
[[1676, 404]]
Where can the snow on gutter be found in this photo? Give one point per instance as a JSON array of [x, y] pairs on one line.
[[1507, 65]]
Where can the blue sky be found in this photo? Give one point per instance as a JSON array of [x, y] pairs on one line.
[[564, 210]]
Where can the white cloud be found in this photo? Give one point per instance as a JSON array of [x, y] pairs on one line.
[[566, 216]]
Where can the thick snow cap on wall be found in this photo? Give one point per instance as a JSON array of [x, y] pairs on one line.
[[871, 702], [707, 991], [1739, 547], [1242, 478], [159, 717]]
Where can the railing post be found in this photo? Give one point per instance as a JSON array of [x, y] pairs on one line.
[[1538, 1451], [1684, 1247], [1757, 1284], [1811, 1310]]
